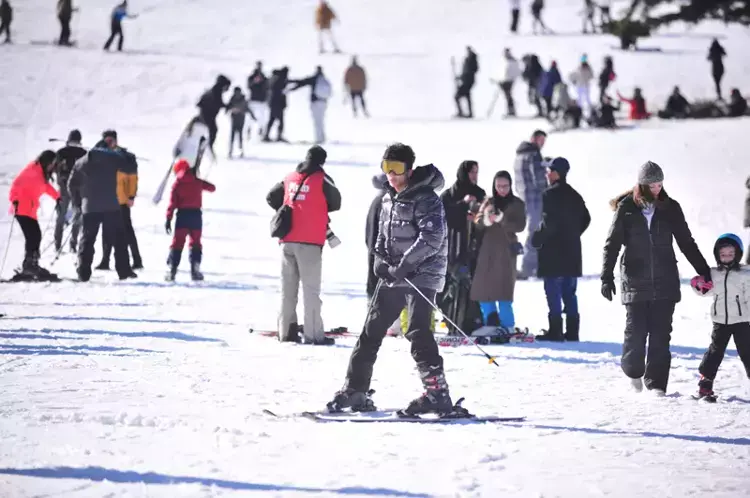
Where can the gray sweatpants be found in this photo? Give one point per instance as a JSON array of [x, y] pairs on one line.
[[301, 262]]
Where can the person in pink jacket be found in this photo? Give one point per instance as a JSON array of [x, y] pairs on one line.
[[25, 191]]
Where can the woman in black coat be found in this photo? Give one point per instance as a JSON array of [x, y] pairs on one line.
[[646, 221]]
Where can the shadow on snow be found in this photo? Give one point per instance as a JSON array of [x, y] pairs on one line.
[[24, 349], [102, 474], [117, 319], [178, 336]]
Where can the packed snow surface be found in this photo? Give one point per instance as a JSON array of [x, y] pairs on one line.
[[147, 388]]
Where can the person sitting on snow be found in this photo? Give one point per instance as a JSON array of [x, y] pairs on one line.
[[677, 106], [638, 109]]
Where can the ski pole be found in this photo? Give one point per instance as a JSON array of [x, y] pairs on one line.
[[7, 245], [435, 307], [53, 139]]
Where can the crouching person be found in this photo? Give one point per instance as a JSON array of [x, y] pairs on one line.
[[730, 310], [187, 200]]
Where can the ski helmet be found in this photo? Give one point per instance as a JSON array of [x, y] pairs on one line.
[[725, 240]]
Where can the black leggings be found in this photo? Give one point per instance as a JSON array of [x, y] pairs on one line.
[[31, 232]]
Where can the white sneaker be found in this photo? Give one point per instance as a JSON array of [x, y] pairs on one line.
[[636, 385]]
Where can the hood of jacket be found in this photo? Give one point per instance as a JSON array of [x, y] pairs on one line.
[[527, 148], [422, 177]]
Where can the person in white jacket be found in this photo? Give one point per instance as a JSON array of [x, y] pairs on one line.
[[510, 73], [730, 310], [581, 79], [193, 143]]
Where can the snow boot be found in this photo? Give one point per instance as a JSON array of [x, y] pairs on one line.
[[293, 335], [555, 332], [357, 401], [706, 389], [173, 261], [196, 254], [572, 325], [436, 398]]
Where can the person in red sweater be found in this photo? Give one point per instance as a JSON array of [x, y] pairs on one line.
[[25, 191], [187, 200], [637, 105]]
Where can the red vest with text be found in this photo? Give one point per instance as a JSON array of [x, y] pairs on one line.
[[309, 210]]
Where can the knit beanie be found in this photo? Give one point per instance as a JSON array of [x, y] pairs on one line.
[[650, 173]]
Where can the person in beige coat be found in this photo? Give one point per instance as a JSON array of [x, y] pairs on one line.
[[355, 81], [500, 218], [324, 16]]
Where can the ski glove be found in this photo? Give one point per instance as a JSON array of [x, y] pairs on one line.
[[699, 283], [608, 289], [168, 226], [381, 271], [398, 273]]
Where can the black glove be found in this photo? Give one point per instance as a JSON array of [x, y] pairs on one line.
[[15, 207], [398, 273], [168, 226], [608, 289], [381, 271]]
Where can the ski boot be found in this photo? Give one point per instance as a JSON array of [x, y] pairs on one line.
[[572, 326], [195, 271], [173, 261], [196, 254], [435, 399], [356, 401], [706, 390]]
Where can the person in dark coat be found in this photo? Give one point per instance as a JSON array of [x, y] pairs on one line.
[[371, 231], [277, 103], [210, 103], [411, 245], [65, 11], [118, 14], [677, 106], [646, 222], [460, 202], [465, 82], [532, 73], [716, 54], [558, 241], [547, 84], [238, 107], [6, 18], [606, 77], [66, 160], [257, 85], [737, 104]]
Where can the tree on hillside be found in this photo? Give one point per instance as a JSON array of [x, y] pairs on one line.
[[642, 16]]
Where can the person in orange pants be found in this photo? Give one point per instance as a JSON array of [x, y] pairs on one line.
[[187, 200], [25, 191]]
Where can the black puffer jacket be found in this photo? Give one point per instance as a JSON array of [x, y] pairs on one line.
[[648, 265], [460, 250], [412, 231]]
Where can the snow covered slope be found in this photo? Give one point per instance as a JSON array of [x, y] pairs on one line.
[[152, 389]]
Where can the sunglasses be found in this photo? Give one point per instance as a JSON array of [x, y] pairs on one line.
[[395, 167]]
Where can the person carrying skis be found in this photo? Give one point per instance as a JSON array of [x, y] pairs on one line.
[[237, 107], [210, 103], [6, 18], [730, 310], [119, 13], [320, 92], [66, 159], [411, 245], [186, 200], [193, 143], [511, 72], [257, 85], [25, 191]]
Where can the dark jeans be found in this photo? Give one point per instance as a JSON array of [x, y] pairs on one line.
[[719, 341], [386, 307], [130, 240], [115, 30], [31, 233], [5, 28], [112, 229], [507, 88], [514, 20], [237, 126], [650, 320], [561, 295], [358, 96], [64, 30]]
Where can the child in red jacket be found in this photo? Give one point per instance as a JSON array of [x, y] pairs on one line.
[[25, 191], [187, 199]]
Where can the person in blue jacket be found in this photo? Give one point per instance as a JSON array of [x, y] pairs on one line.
[[118, 14], [547, 84]]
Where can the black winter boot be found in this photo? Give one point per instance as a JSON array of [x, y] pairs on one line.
[[436, 398], [572, 325], [555, 332], [196, 255], [357, 401]]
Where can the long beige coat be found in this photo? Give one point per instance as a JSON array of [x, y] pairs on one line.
[[495, 276]]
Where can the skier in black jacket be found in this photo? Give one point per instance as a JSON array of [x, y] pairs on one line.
[[412, 245], [465, 82], [371, 231], [66, 159], [210, 104], [646, 223]]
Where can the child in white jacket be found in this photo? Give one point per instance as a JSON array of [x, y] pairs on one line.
[[730, 310]]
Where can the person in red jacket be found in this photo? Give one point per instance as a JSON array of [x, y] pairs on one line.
[[637, 105], [302, 247], [25, 191], [187, 200]]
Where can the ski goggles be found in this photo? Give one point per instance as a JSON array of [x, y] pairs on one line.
[[395, 167]]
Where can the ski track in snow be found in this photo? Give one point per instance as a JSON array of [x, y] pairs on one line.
[[145, 388]]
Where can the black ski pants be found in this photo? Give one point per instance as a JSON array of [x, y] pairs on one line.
[[64, 30], [276, 114], [717, 71], [112, 228], [464, 92], [719, 341], [5, 28], [131, 241], [358, 96], [238, 124], [514, 13], [385, 308], [115, 30], [32, 234], [650, 320]]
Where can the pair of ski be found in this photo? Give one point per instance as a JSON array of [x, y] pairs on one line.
[[459, 416]]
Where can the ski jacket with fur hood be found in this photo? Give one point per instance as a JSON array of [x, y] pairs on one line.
[[412, 230]]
